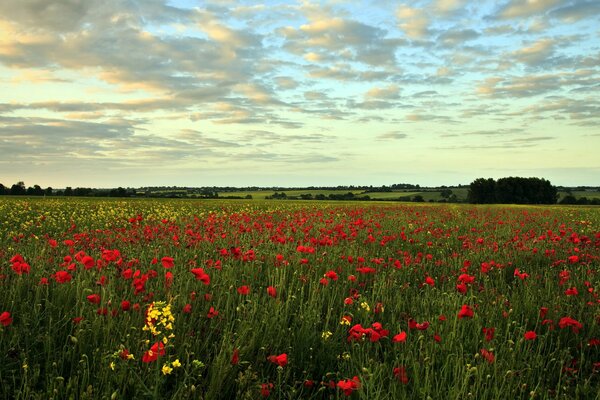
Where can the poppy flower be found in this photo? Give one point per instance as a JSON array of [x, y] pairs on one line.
[[271, 291], [167, 262], [88, 262], [156, 350], [399, 338], [187, 308], [235, 357], [94, 298], [265, 389], [243, 290], [212, 313], [487, 355], [350, 385], [201, 275], [571, 291], [125, 305], [401, 375], [281, 360], [62, 277], [5, 318], [568, 321], [168, 279], [429, 281], [331, 275], [489, 333], [465, 312], [530, 335]]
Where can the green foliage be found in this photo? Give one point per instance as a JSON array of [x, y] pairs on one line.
[[327, 261]]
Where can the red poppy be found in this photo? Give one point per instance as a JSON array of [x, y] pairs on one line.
[[281, 360], [243, 290], [429, 281], [487, 355], [331, 275], [530, 335], [212, 313], [5, 318], [94, 298], [571, 291], [399, 338], [124, 354], [88, 262], [489, 333], [568, 321], [201, 275], [167, 262], [271, 291], [62, 277], [168, 279], [465, 312], [401, 375], [235, 357], [350, 385], [125, 305], [21, 268], [157, 349], [187, 308], [265, 389]]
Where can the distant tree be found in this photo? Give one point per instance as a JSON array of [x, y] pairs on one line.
[[3, 190], [512, 190], [37, 190], [482, 191], [445, 193], [48, 191], [418, 198], [68, 191], [18, 189]]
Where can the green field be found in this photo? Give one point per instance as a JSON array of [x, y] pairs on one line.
[[218, 299]]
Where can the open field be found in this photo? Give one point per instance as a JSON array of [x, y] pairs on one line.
[[209, 299], [461, 193]]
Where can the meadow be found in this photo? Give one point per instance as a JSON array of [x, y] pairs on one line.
[[214, 299]]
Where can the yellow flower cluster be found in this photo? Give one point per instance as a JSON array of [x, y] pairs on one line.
[[159, 316], [167, 369]]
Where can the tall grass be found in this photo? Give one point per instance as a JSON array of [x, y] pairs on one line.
[[329, 263]]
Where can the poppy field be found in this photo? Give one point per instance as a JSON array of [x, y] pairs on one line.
[[177, 299]]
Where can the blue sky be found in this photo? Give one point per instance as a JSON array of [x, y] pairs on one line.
[[293, 93]]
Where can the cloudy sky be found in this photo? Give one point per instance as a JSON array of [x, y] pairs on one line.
[[200, 93]]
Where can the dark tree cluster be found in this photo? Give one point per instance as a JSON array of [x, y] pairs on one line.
[[512, 190], [19, 189]]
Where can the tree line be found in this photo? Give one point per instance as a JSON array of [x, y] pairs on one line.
[[512, 190]]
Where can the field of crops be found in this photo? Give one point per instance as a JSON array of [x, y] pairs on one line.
[[177, 299]]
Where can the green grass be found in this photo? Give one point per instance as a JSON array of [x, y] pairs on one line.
[[381, 254]]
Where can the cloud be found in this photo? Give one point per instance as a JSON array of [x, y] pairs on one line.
[[328, 38], [383, 93], [577, 10], [445, 7], [535, 85], [457, 37], [527, 8], [413, 21], [392, 136], [537, 53]]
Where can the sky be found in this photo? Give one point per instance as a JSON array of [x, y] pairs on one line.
[[298, 93]]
